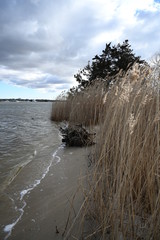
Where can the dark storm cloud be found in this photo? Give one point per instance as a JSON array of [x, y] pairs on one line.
[[44, 43], [34, 35]]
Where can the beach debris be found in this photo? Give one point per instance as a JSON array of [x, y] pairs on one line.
[[77, 135]]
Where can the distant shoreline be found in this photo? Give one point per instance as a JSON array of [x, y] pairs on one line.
[[26, 100]]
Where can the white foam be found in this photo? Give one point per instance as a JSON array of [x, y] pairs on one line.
[[58, 159], [9, 228], [35, 152], [24, 192]]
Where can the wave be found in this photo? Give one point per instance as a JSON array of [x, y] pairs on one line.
[[9, 228]]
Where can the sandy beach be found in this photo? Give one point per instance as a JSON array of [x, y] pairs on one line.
[[48, 205]]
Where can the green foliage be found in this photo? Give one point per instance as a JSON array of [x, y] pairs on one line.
[[108, 64]]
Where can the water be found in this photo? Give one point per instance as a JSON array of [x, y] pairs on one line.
[[29, 145]]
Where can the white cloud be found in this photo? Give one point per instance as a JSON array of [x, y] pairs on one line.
[[55, 38]]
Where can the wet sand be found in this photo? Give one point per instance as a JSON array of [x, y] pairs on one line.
[[49, 203]]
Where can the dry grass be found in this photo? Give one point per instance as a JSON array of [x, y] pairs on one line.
[[122, 200], [83, 108], [124, 195]]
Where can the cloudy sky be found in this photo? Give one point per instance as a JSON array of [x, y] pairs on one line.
[[43, 43]]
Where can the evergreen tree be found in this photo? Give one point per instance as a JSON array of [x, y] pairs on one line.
[[109, 63]]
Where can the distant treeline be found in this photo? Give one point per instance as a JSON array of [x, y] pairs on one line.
[[26, 100]]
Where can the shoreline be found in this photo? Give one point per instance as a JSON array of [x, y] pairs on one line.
[[46, 206], [9, 228]]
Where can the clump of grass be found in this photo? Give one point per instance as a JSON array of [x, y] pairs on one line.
[[61, 108], [83, 107], [123, 201]]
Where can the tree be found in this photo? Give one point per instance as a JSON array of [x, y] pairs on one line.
[[108, 64]]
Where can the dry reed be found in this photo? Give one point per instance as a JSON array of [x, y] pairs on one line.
[[83, 107], [123, 197]]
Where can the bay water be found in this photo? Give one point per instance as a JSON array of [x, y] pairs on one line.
[[29, 145]]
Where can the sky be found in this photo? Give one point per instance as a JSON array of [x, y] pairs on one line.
[[43, 43]]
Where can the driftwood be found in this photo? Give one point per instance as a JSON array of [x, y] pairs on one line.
[[77, 136]]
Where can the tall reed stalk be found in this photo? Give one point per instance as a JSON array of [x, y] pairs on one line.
[[83, 107], [124, 195]]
